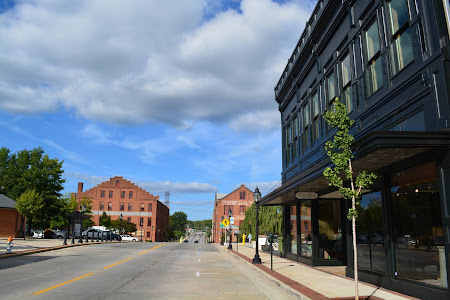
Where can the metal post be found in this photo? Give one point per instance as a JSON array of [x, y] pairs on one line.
[[81, 226], [102, 236], [97, 235], [65, 237], [73, 231], [271, 253], [257, 197], [87, 237]]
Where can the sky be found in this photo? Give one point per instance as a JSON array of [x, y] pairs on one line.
[[172, 95]]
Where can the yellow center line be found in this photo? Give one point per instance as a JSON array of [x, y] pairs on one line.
[[144, 252], [157, 246], [51, 288], [117, 263]]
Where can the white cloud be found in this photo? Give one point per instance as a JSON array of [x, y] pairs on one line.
[[147, 60]]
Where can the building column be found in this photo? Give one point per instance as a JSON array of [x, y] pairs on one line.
[[444, 190]]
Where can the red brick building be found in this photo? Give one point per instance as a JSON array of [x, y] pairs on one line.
[[119, 196], [11, 221], [238, 200]]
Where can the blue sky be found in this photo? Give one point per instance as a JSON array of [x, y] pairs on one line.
[[172, 95]]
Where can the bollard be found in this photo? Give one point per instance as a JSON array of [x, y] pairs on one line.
[[92, 237], [9, 245], [87, 238], [73, 237], [271, 252], [102, 236], [97, 236], [65, 238]]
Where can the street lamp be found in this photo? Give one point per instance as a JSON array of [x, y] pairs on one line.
[[257, 198], [152, 235], [221, 239], [83, 208], [120, 225], [230, 213]]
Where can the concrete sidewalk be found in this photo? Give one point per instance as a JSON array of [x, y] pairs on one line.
[[312, 283]]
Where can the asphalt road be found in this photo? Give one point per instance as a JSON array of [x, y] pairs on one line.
[[134, 271]]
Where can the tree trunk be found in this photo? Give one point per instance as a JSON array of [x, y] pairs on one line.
[[355, 250]]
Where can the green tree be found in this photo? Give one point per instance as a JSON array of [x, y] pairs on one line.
[[340, 152], [68, 204], [270, 220], [178, 221], [30, 204], [33, 170], [87, 204], [105, 220], [123, 226]]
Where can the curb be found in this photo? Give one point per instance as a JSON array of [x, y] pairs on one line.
[[39, 250]]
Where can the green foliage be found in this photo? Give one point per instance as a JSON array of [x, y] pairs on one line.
[[200, 225], [178, 221], [105, 220], [270, 220], [87, 203], [340, 152], [124, 226], [33, 170], [68, 204], [30, 204]]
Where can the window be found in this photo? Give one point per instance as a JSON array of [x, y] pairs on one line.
[[102, 206], [305, 126], [103, 194], [305, 228], [142, 207], [374, 76], [226, 208], [122, 206], [315, 117], [149, 222], [150, 207], [346, 75], [289, 144], [109, 205], [148, 234], [331, 90], [130, 194], [130, 206], [293, 236], [242, 210], [401, 45], [141, 221], [129, 219], [117, 183], [242, 195], [295, 137], [110, 194], [122, 194]]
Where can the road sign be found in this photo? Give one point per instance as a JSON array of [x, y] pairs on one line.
[[232, 220], [225, 222], [221, 225]]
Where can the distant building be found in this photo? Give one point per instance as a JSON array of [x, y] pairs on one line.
[[12, 223], [119, 196], [238, 200], [388, 62]]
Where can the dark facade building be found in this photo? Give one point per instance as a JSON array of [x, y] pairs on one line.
[[388, 62]]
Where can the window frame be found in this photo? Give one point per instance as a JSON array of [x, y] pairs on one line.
[[102, 194], [142, 208], [315, 116], [150, 207], [346, 87], [122, 206], [130, 195], [306, 125], [109, 205], [130, 206], [372, 62], [110, 194], [102, 206]]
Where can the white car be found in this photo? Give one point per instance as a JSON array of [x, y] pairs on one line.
[[127, 237], [39, 234]]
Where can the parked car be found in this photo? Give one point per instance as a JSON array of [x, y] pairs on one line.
[[59, 234], [186, 241], [92, 232], [126, 237], [39, 234], [196, 241], [114, 236]]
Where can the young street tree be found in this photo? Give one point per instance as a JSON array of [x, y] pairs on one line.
[[30, 204], [340, 152]]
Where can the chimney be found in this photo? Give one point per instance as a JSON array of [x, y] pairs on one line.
[[80, 187]]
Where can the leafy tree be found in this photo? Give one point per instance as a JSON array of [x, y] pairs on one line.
[[340, 152], [105, 220], [30, 204], [270, 220], [87, 203], [33, 170], [178, 221], [123, 226], [68, 204]]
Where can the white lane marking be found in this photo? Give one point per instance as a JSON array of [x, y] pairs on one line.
[[197, 274]]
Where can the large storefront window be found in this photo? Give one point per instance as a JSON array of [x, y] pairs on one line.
[[293, 229], [330, 230], [305, 228], [369, 230], [417, 220]]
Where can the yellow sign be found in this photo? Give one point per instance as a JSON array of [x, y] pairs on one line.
[[225, 222]]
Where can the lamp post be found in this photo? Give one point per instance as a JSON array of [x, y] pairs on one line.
[[120, 225], [83, 208], [230, 246], [152, 235], [221, 239], [257, 198]]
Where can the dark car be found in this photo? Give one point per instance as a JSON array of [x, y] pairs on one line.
[[186, 241], [196, 241]]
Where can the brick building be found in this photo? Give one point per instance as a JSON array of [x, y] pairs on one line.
[[238, 200], [119, 196], [12, 223]]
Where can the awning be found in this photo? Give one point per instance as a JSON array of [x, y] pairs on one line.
[[372, 152]]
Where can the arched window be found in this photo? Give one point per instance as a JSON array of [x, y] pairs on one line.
[[130, 206], [117, 183], [109, 205], [110, 194]]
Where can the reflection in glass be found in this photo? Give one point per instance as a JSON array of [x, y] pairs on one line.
[[398, 10], [305, 229], [331, 87], [402, 52], [369, 232], [293, 229], [330, 230], [372, 40], [418, 231]]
